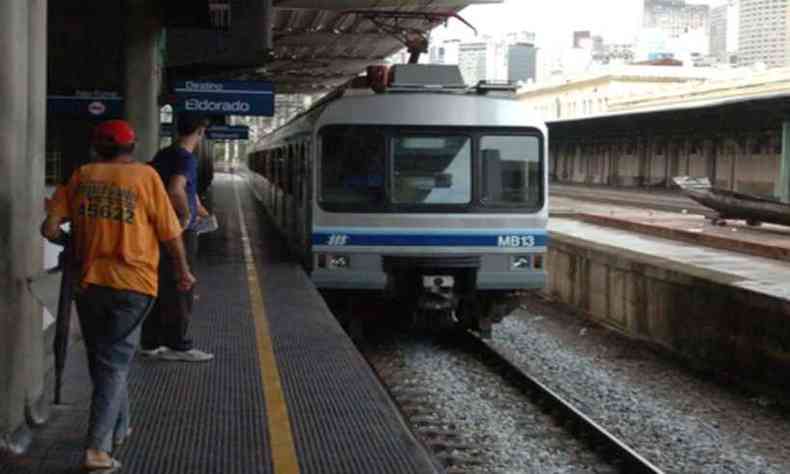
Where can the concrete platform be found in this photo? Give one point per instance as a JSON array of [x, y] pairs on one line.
[[287, 393], [767, 240], [578, 198], [715, 308]]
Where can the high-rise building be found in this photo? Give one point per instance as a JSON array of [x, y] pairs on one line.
[[718, 33], [675, 17], [445, 52], [724, 21], [472, 59], [522, 62], [764, 34], [483, 60], [582, 39], [520, 37]]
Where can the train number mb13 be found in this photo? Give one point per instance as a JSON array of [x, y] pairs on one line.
[[516, 241]]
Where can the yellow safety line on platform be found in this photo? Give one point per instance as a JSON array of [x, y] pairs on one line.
[[281, 437]]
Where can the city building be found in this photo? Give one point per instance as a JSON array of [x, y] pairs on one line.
[[764, 34], [718, 33], [614, 53], [582, 39], [674, 29], [522, 62], [445, 52], [724, 21], [485, 60], [675, 17], [520, 37], [594, 92]]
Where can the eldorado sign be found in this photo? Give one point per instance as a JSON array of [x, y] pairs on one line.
[[255, 98]]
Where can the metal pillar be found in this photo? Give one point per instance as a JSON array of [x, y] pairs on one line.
[[783, 183], [143, 74], [15, 203]]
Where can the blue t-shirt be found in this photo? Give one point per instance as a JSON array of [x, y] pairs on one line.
[[175, 160]]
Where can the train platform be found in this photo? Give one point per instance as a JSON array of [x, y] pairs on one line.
[[287, 393], [734, 269], [689, 225], [720, 311], [571, 198]]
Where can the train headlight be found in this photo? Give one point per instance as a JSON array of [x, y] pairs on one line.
[[340, 261], [520, 262]]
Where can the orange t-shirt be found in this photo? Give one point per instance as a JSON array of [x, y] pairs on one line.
[[120, 212]]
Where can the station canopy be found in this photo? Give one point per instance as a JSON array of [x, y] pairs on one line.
[[316, 44]]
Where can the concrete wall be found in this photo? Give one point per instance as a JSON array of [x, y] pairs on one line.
[[704, 321], [748, 163], [23, 26]]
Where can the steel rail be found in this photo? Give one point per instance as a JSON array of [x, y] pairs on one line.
[[609, 447]]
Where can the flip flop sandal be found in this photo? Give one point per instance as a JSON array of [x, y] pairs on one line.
[[112, 466]]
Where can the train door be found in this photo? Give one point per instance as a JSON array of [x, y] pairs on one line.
[[307, 200], [281, 156], [269, 180], [290, 174], [276, 185], [299, 201]]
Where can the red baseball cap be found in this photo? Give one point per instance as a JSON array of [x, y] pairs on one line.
[[114, 132]]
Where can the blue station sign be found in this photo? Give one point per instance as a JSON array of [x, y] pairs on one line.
[[214, 132], [228, 132], [85, 107], [250, 98]]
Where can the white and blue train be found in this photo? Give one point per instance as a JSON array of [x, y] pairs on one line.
[[433, 196]]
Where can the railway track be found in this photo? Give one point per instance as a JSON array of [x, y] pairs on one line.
[[612, 449], [553, 420]]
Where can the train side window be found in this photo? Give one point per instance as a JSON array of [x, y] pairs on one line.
[[353, 167]]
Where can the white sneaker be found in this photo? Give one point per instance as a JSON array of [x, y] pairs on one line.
[[192, 355], [152, 352]]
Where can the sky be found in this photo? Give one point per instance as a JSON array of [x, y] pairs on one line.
[[553, 20]]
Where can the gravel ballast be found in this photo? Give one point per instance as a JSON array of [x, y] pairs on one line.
[[676, 419], [502, 431]]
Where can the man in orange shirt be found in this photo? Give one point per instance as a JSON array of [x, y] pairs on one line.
[[119, 212]]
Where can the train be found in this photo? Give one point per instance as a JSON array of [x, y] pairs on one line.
[[418, 190]]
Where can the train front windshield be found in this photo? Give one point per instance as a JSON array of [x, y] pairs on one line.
[[389, 169]]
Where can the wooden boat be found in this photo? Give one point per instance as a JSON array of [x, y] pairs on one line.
[[731, 205]]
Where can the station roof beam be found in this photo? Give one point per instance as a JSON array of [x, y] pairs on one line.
[[312, 40]]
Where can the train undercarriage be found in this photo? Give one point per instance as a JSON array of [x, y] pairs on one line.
[[430, 295]]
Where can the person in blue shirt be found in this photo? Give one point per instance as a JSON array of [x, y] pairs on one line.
[[165, 332]]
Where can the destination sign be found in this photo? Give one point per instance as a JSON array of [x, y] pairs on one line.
[[228, 132], [214, 132], [248, 98]]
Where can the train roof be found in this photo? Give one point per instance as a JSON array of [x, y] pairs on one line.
[[414, 95], [428, 109]]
